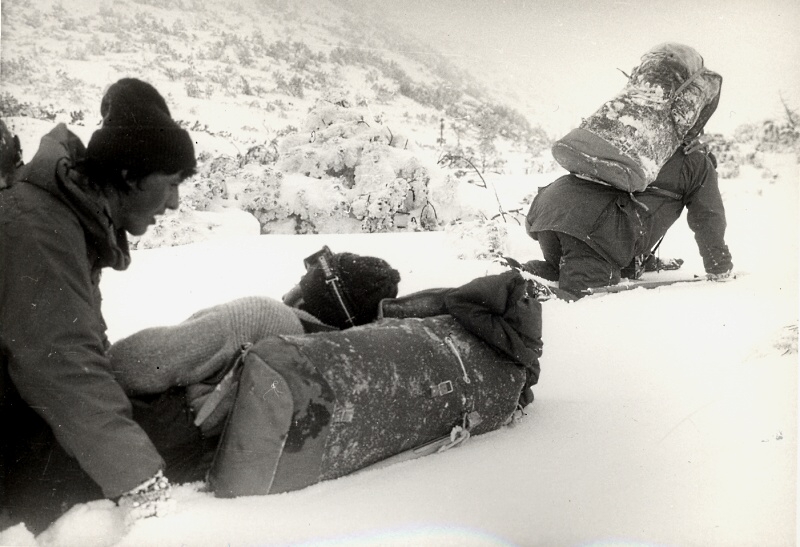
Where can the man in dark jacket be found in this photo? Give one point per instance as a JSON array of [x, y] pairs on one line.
[[589, 231], [62, 221]]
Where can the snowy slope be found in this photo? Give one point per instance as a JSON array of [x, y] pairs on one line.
[[662, 417]]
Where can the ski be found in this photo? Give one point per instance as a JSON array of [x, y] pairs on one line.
[[548, 290], [630, 284]]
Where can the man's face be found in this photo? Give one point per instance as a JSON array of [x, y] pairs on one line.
[[147, 199]]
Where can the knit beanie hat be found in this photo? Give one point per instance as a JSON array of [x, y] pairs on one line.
[[363, 281], [138, 133], [130, 87]]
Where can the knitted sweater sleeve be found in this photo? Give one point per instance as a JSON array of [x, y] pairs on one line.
[[155, 359]]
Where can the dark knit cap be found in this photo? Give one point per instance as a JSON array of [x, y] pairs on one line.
[[364, 282], [138, 133], [127, 88]]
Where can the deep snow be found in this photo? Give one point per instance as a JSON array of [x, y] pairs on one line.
[[662, 417]]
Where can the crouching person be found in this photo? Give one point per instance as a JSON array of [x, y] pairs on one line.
[[634, 166], [589, 233], [68, 432]]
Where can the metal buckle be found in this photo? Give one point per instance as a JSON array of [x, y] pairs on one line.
[[311, 260], [343, 413], [442, 388], [322, 258]]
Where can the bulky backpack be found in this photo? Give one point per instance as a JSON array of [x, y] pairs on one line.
[[668, 99]]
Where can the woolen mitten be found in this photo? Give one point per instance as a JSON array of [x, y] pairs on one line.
[[152, 498]]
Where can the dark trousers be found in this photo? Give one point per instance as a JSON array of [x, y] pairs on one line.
[[578, 266], [41, 481]]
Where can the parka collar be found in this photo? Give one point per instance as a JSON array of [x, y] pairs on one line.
[[53, 168]]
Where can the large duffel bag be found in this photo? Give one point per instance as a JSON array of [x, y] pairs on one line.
[[319, 406], [667, 100]]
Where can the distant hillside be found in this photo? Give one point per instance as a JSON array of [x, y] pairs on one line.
[[310, 115], [251, 70]]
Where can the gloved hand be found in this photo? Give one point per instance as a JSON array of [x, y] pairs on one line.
[[719, 276], [152, 498]]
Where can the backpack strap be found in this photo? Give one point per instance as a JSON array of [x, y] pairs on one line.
[[665, 193]]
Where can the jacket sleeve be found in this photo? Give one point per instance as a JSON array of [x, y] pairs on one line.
[[52, 332], [706, 213]]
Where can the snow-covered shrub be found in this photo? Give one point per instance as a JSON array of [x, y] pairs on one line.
[[787, 340], [208, 186], [347, 170], [479, 238], [771, 135], [729, 155], [170, 230], [295, 204]]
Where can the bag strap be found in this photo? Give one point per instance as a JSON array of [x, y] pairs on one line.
[[692, 77], [665, 193], [225, 381]]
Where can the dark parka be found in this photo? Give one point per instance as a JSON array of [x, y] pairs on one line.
[[55, 237], [619, 226]]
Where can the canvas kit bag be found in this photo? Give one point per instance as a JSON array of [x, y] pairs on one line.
[[320, 406], [667, 100]]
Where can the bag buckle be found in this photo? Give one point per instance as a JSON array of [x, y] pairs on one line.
[[442, 388], [343, 413]]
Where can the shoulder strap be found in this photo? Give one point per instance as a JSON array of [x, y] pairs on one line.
[[661, 192]]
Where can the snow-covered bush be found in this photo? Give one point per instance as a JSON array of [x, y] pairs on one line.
[[209, 185], [479, 238], [170, 230], [346, 170]]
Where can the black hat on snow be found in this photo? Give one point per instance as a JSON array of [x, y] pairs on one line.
[[362, 282], [138, 133]]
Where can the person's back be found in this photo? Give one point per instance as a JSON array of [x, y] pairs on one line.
[[608, 215], [615, 226]]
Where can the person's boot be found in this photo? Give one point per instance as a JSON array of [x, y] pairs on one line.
[[655, 264], [635, 269]]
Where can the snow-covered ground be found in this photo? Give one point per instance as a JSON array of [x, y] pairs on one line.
[[662, 417]]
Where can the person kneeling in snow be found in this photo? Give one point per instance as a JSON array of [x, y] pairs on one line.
[[68, 434], [591, 235], [604, 221]]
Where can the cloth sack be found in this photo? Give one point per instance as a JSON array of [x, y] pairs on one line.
[[667, 100]]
